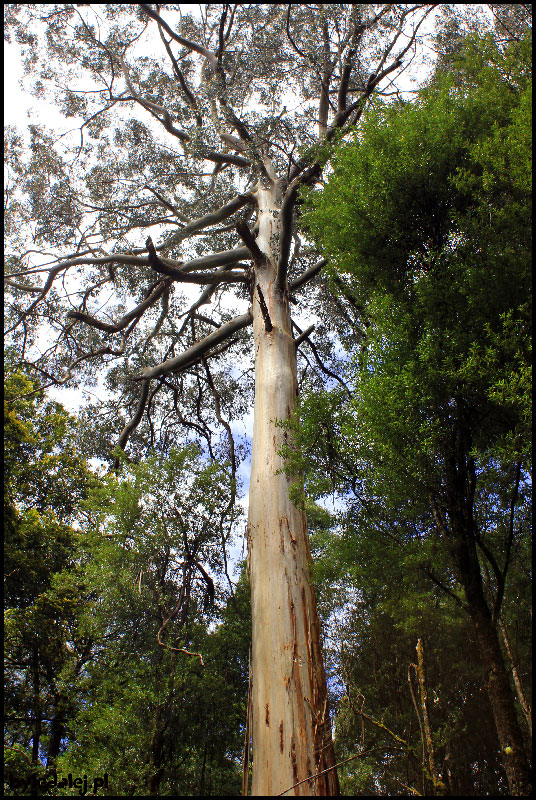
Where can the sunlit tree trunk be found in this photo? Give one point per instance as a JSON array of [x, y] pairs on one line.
[[291, 729]]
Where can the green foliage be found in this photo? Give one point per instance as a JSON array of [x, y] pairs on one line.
[[396, 192], [139, 702], [429, 212], [46, 479], [98, 571], [149, 714]]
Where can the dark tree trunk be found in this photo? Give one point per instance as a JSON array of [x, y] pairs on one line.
[[57, 731], [159, 725], [496, 676], [36, 703], [203, 767], [37, 713], [461, 481], [157, 746]]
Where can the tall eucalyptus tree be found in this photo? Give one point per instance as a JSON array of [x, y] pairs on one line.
[[202, 129]]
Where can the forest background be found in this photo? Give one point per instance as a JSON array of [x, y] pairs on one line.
[[414, 419]]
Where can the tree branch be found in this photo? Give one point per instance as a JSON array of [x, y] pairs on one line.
[[286, 216], [153, 107], [226, 257], [208, 54], [188, 277], [249, 240], [318, 360], [188, 94], [307, 332], [197, 350], [136, 312], [308, 275], [214, 217], [136, 419]]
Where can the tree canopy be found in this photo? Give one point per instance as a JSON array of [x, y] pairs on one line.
[[108, 582], [425, 222], [265, 166]]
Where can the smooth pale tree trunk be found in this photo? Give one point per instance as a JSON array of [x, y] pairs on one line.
[[290, 720]]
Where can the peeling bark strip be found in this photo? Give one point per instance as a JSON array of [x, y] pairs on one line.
[[266, 316]]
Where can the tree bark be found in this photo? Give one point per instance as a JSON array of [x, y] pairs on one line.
[[438, 786], [290, 719], [159, 724], [461, 481], [57, 732], [517, 680], [36, 706], [496, 676]]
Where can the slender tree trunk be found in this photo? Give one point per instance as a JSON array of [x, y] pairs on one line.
[[159, 725], [290, 720], [497, 682], [438, 786], [203, 767], [156, 767], [36, 706], [461, 482], [517, 680], [515, 673], [57, 732], [37, 714]]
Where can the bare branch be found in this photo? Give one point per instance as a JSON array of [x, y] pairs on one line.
[[318, 360], [208, 54], [173, 269], [153, 107], [136, 419], [249, 240], [189, 95], [188, 277], [228, 158], [358, 31], [214, 217], [291, 40], [23, 287], [308, 275], [136, 313], [197, 350], [513, 500], [287, 211], [236, 144], [307, 332], [323, 107], [226, 257], [160, 321]]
